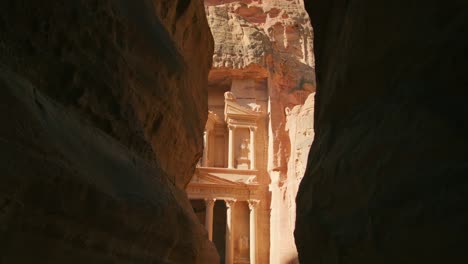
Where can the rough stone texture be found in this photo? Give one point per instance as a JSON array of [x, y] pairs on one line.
[[299, 124], [103, 114], [266, 46], [386, 180], [121, 66]]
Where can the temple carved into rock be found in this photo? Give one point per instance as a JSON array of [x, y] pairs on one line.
[[178, 131], [259, 129], [231, 176]]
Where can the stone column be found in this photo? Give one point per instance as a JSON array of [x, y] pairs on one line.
[[229, 254], [253, 230], [252, 147], [209, 204], [231, 147], [206, 136]]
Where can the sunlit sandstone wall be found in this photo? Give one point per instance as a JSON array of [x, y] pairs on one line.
[[103, 107], [267, 45], [387, 175], [299, 125]]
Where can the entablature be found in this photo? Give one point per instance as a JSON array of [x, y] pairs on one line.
[[223, 192], [223, 175], [222, 183]]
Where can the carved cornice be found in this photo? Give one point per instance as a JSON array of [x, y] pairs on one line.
[[204, 191], [235, 123], [244, 122], [226, 170]]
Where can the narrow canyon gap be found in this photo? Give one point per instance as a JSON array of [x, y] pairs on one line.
[[260, 128], [386, 180]]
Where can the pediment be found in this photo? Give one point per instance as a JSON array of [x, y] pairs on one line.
[[233, 109], [207, 178]]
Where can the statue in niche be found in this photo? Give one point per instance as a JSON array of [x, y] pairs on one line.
[[244, 148], [243, 160]]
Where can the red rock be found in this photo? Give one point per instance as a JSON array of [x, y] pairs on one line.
[[265, 47], [103, 113]]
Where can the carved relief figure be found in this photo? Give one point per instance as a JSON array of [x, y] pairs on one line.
[[255, 107], [243, 243], [243, 161], [244, 148]]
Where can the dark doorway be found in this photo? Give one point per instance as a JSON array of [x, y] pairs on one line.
[[219, 228]]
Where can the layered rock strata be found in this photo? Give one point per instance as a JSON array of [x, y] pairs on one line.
[[103, 114], [263, 54], [386, 177]]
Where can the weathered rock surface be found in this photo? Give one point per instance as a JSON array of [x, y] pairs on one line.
[[102, 120], [386, 180], [267, 46], [299, 125]]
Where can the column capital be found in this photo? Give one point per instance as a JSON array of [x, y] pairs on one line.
[[209, 201], [253, 203], [230, 202], [253, 128], [232, 127], [253, 230]]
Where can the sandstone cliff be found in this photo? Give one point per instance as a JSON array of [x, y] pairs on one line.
[[102, 119], [266, 46], [386, 180], [299, 125]]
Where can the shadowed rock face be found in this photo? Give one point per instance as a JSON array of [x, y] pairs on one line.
[[103, 107], [386, 178]]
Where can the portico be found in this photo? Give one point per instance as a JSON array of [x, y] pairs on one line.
[[240, 246], [211, 189]]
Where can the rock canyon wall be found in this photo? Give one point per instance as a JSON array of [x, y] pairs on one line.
[[263, 52], [103, 107], [300, 127], [386, 179]]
